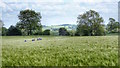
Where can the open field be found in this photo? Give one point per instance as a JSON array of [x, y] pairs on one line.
[[60, 51]]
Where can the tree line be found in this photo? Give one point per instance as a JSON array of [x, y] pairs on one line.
[[89, 23]]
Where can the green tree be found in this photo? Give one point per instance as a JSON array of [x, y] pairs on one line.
[[63, 32], [71, 32], [4, 31], [112, 26], [90, 24], [38, 29], [1, 25], [13, 31], [29, 21], [46, 32]]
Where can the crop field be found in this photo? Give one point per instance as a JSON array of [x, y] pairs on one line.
[[60, 51]]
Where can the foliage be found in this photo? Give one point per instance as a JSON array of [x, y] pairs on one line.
[[46, 32], [112, 26], [12, 31], [4, 31], [71, 32], [38, 30], [1, 25], [90, 24], [29, 21], [54, 33], [63, 32]]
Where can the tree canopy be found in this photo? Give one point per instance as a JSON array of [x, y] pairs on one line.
[[63, 32], [46, 32], [4, 31], [29, 20], [112, 26], [90, 24], [12, 31]]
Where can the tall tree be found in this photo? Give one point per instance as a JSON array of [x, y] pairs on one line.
[[4, 31], [112, 26], [1, 26], [29, 20], [90, 23]]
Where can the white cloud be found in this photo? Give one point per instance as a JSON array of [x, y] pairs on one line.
[[5, 6], [2, 4], [34, 1], [58, 12], [96, 1], [48, 1]]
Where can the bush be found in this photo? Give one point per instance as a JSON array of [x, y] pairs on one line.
[[13, 31], [63, 32], [46, 32]]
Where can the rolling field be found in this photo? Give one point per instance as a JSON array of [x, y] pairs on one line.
[[60, 51]]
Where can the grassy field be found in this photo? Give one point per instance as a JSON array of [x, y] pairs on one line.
[[60, 51]]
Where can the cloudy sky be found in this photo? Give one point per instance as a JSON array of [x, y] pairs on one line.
[[56, 12]]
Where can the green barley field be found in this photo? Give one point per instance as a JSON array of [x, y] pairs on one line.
[[60, 51]]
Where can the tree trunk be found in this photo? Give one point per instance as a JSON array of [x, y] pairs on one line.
[[30, 30]]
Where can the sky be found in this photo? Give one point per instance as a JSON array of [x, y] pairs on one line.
[[55, 12]]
